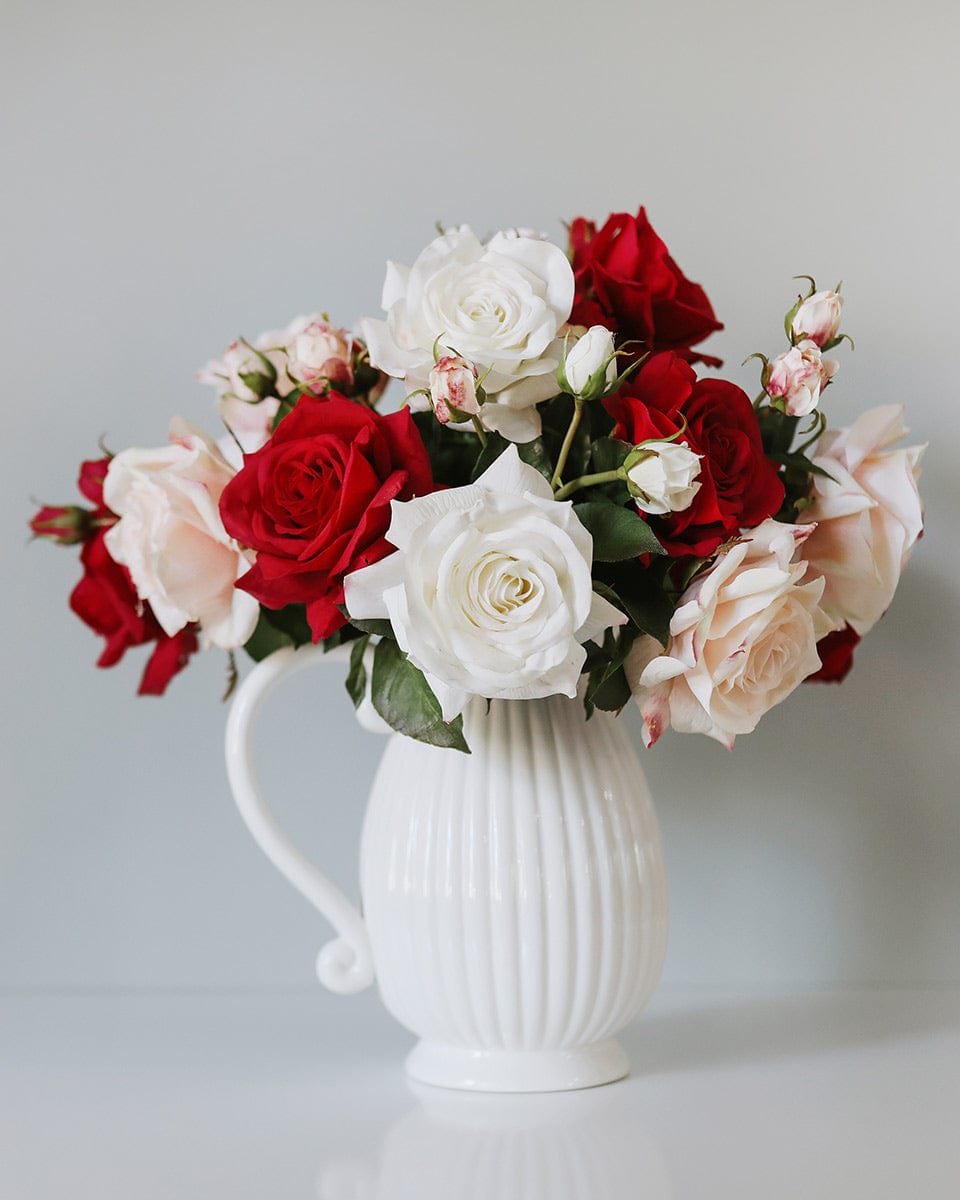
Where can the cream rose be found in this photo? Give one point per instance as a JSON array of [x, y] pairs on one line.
[[501, 306], [743, 637], [171, 539], [589, 366], [490, 591], [321, 353], [662, 476], [868, 516]]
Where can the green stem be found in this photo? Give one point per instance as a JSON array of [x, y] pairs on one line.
[[480, 433], [567, 443], [586, 481]]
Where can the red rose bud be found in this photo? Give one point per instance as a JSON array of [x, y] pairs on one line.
[[67, 525], [90, 482]]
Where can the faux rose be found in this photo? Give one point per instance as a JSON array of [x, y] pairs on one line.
[[662, 477], [627, 281], [797, 377], [453, 389], [744, 635], [172, 541], [868, 516], [589, 367], [490, 591], [500, 305], [322, 356], [817, 318], [314, 502], [739, 486]]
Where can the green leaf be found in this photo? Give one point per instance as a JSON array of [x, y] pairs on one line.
[[647, 605], [496, 444], [609, 453], [379, 627], [614, 693], [535, 455], [618, 533], [799, 462], [356, 681], [265, 639], [291, 620], [402, 696]]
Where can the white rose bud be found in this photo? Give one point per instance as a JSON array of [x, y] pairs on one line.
[[798, 377], [589, 366], [453, 389], [662, 477], [817, 318]]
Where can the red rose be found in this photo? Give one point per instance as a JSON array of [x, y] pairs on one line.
[[314, 502], [105, 598], [627, 281], [836, 655], [739, 486]]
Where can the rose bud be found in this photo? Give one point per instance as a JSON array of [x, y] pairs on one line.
[[817, 317], [322, 354], [661, 476], [453, 390], [66, 525], [589, 367], [797, 377]]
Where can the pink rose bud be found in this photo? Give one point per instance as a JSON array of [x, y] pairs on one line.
[[797, 378], [817, 318], [453, 390], [66, 525], [321, 354]]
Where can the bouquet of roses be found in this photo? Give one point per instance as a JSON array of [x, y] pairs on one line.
[[561, 504]]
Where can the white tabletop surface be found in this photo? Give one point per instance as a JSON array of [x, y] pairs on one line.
[[302, 1096]]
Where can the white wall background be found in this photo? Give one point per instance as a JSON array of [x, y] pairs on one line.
[[177, 173]]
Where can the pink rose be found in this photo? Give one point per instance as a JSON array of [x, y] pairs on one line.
[[743, 637], [798, 377], [817, 318], [172, 541], [868, 516], [453, 389], [321, 354]]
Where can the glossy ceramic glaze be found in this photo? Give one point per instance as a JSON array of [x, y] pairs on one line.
[[515, 905]]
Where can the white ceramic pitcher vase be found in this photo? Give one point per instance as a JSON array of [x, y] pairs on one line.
[[514, 899]]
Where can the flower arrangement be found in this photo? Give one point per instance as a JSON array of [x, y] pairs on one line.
[[561, 504]]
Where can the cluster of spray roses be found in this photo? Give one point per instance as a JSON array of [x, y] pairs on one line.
[[560, 505]]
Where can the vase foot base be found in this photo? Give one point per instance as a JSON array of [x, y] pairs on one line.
[[517, 1070]]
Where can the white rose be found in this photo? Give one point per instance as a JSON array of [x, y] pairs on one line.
[[490, 591], [501, 306], [868, 516], [662, 477], [589, 367], [743, 637], [171, 539], [818, 318], [798, 376]]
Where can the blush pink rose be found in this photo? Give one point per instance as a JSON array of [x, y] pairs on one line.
[[743, 637], [868, 516], [798, 377], [172, 541]]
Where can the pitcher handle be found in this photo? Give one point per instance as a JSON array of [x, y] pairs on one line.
[[344, 965]]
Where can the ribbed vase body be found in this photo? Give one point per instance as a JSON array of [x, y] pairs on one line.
[[515, 897]]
